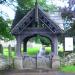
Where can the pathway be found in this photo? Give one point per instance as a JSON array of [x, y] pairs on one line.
[[35, 73]]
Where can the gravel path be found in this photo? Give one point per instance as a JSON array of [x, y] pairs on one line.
[[35, 73]]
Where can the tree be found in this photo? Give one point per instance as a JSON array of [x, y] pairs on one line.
[[5, 25], [25, 5], [5, 30], [68, 15], [2, 1]]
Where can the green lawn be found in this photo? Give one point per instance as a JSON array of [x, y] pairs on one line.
[[70, 68], [6, 52], [34, 51], [30, 51]]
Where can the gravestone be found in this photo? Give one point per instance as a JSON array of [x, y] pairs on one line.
[[41, 51]]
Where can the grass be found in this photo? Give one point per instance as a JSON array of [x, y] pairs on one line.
[[68, 68], [34, 51], [30, 51], [6, 52], [47, 50]]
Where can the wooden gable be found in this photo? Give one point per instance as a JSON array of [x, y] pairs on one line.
[[30, 18]]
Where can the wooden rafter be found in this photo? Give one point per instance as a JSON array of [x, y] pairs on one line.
[[39, 16]]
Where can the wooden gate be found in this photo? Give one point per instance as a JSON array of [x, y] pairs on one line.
[[35, 62]]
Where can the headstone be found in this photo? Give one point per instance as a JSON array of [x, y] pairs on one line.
[[41, 51], [10, 59]]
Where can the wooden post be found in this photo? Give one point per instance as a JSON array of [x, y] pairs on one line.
[[55, 45], [55, 58], [24, 46], [18, 46], [36, 61], [9, 58], [9, 48], [1, 49], [36, 14]]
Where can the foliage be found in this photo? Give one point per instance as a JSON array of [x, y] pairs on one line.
[[71, 32], [6, 1], [67, 13], [45, 41], [47, 50], [2, 1], [5, 24], [69, 68], [41, 40], [25, 5], [37, 39], [5, 30], [73, 26]]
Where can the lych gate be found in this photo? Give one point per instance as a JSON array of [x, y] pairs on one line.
[[36, 22]]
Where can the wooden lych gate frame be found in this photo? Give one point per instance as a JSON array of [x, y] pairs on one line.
[[24, 29]]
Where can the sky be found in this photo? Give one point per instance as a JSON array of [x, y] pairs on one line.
[[62, 3], [11, 12], [7, 10]]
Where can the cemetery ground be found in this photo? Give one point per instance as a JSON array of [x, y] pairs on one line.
[[62, 69]]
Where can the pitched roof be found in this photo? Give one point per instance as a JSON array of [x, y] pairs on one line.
[[30, 17]]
